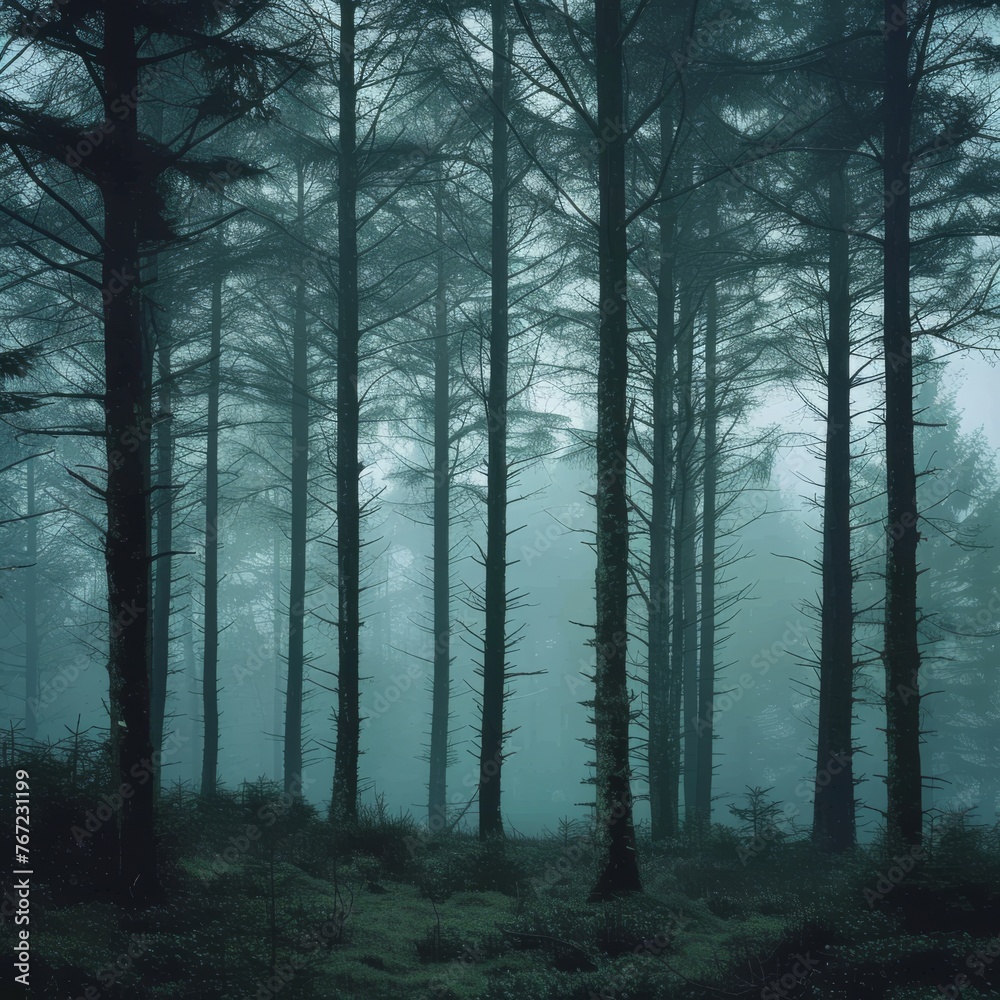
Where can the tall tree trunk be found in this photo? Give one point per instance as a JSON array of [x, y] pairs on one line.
[[437, 785], [704, 732], [833, 805], [675, 676], [158, 321], [663, 747], [300, 490], [31, 637], [495, 651], [210, 667], [901, 654], [195, 702], [617, 855], [127, 426], [686, 569], [344, 802], [279, 742]]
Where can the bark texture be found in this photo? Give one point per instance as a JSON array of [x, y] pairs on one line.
[[619, 871]]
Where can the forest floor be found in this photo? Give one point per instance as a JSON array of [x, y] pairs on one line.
[[264, 902]]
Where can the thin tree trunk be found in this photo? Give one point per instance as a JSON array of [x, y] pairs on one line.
[[675, 678], [279, 706], [704, 732], [663, 747], [344, 802], [686, 570], [619, 870], [292, 775], [495, 651], [833, 805], [31, 636], [158, 334], [437, 785], [195, 703], [127, 401], [159, 326], [210, 668], [901, 654]]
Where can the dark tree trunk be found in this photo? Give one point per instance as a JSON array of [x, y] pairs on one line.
[[195, 700], [437, 785], [675, 677], [127, 401], [495, 650], [689, 582], [300, 489], [210, 661], [901, 654], [619, 870], [704, 730], [663, 748], [686, 569], [158, 335], [158, 322], [833, 806], [344, 802], [279, 742], [31, 636]]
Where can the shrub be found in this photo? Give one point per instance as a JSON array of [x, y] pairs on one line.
[[74, 808], [379, 834], [452, 863]]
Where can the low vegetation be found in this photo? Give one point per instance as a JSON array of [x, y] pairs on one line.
[[266, 899]]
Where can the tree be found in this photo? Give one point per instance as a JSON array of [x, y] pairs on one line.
[[925, 69], [495, 645], [125, 168], [904, 780], [612, 708], [210, 661], [372, 88], [440, 422]]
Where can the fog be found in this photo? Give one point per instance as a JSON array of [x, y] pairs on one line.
[[500, 500]]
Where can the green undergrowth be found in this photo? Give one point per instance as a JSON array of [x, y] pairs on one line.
[[265, 898]]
